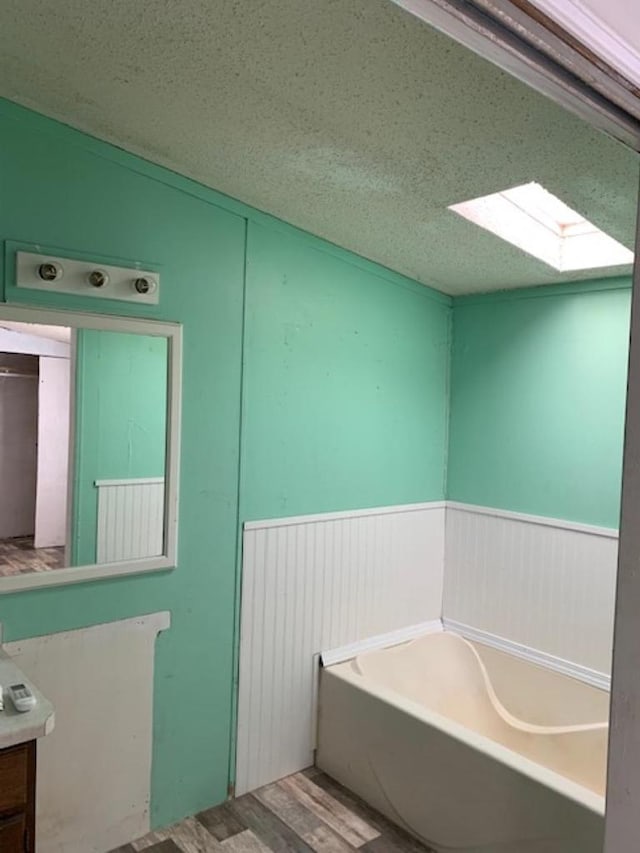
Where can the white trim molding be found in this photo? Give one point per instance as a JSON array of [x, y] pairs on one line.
[[131, 481], [139, 326], [564, 667], [381, 641], [552, 74], [541, 520], [596, 33], [345, 514]]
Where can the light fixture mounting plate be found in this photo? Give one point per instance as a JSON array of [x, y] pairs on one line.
[[77, 276]]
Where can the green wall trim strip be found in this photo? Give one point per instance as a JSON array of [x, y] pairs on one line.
[[164, 174], [239, 540], [546, 291], [448, 379]]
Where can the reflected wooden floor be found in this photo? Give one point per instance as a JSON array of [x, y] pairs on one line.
[[18, 557], [305, 813]]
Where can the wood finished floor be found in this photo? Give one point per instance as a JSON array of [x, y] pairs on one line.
[[305, 813], [19, 557]]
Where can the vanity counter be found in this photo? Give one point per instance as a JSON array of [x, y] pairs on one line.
[[16, 728], [18, 736]]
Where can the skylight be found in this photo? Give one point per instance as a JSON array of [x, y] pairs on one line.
[[537, 222]]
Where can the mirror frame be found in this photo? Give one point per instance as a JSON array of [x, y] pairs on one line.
[[134, 325]]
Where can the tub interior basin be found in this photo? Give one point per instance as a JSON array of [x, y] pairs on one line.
[[549, 718]]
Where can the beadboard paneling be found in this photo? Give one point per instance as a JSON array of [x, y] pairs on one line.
[[317, 584], [544, 584], [130, 519]]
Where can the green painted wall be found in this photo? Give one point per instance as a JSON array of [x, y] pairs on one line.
[[120, 428], [345, 384], [538, 387], [60, 188]]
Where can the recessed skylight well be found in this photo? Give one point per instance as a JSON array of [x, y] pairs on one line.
[[539, 223]]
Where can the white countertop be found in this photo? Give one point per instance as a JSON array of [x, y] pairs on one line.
[[16, 727]]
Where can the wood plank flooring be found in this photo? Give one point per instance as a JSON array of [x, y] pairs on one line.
[[305, 813], [18, 557]]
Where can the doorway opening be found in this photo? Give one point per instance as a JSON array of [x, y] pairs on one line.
[[35, 397]]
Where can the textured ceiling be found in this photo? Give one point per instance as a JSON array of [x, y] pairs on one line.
[[348, 118]]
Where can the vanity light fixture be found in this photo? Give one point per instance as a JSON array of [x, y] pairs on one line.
[[87, 278], [539, 223]]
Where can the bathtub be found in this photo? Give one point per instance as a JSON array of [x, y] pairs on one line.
[[468, 748]]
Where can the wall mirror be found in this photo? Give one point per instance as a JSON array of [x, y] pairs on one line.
[[89, 446]]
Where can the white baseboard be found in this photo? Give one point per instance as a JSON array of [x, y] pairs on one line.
[[565, 667], [381, 641]]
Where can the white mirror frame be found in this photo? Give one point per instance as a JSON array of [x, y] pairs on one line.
[[109, 323]]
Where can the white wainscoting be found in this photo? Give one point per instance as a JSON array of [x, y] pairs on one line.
[[320, 582], [94, 769], [130, 519], [543, 584]]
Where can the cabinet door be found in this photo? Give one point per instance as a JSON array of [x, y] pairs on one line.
[[14, 779], [13, 834]]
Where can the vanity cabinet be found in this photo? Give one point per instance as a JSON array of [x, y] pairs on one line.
[[17, 798]]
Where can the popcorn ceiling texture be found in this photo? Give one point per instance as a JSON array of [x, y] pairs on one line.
[[348, 118]]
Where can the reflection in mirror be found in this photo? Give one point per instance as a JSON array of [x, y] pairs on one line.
[[83, 435]]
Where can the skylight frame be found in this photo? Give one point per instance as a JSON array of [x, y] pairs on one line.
[[539, 223]]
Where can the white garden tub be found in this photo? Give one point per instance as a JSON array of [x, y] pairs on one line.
[[468, 748]]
